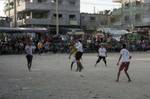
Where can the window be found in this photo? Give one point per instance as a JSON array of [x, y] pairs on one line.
[[18, 2], [41, 1], [27, 15], [28, 0], [72, 17], [19, 16], [92, 18], [138, 3], [11, 4], [59, 1], [127, 18], [59, 15], [82, 17], [127, 5], [72, 2], [39, 15], [138, 17]]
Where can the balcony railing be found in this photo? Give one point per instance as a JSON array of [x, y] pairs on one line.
[[33, 6], [34, 21]]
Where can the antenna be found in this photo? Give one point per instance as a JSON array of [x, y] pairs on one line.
[[94, 10]]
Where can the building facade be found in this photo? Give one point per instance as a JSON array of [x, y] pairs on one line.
[[91, 22], [116, 18], [42, 13], [146, 15], [135, 13]]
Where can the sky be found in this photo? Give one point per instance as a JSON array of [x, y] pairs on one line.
[[89, 6], [98, 5]]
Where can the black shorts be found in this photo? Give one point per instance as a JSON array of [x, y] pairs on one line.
[[102, 57], [78, 55], [29, 58]]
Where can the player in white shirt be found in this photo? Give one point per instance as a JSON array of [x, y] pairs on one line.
[[124, 61], [102, 54], [78, 55], [29, 55]]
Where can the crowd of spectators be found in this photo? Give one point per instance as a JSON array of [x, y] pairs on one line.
[[17, 46], [60, 45], [12, 46]]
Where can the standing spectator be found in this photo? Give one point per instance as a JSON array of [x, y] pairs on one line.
[[21, 47], [29, 56], [40, 47]]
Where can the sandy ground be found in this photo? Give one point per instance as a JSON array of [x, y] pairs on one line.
[[51, 78]]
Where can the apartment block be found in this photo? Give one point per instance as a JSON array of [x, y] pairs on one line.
[[91, 22], [134, 13], [42, 13]]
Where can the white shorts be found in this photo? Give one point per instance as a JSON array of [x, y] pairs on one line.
[[74, 60]]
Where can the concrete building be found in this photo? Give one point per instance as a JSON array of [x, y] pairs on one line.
[[91, 22], [116, 18], [146, 13], [134, 13], [42, 13]]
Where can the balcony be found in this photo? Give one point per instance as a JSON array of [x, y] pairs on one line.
[[146, 24], [146, 19], [66, 8], [45, 7], [33, 21], [73, 22], [37, 6], [146, 1], [33, 6], [62, 21]]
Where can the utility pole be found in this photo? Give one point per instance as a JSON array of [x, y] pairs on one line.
[[15, 14], [8, 8], [131, 15], [122, 13], [143, 11], [94, 10], [57, 18]]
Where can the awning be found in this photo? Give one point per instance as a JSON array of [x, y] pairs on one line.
[[22, 30], [76, 33]]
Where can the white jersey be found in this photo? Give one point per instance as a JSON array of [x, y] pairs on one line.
[[79, 47], [29, 49], [125, 55], [102, 52]]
